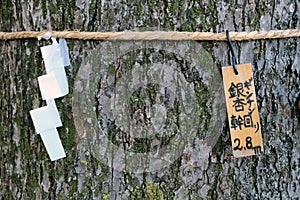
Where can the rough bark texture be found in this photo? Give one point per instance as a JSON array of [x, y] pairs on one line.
[[26, 171]]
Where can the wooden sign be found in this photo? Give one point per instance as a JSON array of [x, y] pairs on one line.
[[243, 117]]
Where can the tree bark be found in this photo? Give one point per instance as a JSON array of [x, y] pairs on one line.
[[212, 173]]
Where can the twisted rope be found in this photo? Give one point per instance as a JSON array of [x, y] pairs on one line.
[[155, 35]]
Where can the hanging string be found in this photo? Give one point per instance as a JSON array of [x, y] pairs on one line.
[[155, 35], [231, 50]]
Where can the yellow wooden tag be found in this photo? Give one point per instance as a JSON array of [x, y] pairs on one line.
[[242, 110]]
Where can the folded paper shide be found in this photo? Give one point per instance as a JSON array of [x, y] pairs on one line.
[[52, 85]]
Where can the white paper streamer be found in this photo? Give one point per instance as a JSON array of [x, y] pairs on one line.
[[53, 144], [45, 118], [52, 56], [64, 51], [52, 85]]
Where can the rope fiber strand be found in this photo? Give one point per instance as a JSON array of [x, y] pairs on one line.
[[155, 35]]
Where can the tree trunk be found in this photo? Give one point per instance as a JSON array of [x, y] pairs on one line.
[[204, 166]]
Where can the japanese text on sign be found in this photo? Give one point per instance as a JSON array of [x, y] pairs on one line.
[[242, 111]]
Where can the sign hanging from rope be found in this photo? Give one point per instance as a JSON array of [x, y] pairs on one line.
[[242, 110]]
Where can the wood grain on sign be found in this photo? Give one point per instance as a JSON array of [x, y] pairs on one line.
[[242, 110]]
